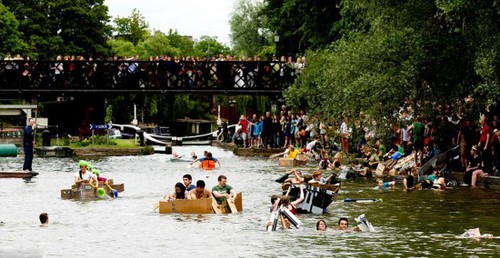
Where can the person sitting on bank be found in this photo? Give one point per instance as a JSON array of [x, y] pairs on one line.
[[343, 225], [193, 155], [44, 219], [84, 175], [199, 192], [179, 194], [187, 179], [370, 163], [222, 191], [321, 225]]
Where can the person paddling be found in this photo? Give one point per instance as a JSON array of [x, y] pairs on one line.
[[85, 176]]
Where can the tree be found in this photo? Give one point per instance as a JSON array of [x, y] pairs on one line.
[[133, 28], [54, 27], [10, 37], [208, 46], [302, 25], [248, 35], [157, 44], [429, 52]]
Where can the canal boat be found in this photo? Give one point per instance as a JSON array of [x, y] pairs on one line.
[[201, 206], [87, 191], [317, 197], [17, 174]]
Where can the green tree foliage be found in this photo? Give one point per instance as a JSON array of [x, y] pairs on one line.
[[208, 46], [122, 47], [248, 34], [157, 44], [10, 37], [133, 28], [53, 27], [429, 52], [302, 25]]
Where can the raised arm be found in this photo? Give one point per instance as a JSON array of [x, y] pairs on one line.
[[301, 197]]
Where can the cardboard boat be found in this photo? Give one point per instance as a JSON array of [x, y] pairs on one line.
[[86, 191], [201, 206]]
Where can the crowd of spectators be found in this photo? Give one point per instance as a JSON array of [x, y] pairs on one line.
[[224, 71], [423, 136]]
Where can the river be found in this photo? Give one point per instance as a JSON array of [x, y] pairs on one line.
[[419, 223]]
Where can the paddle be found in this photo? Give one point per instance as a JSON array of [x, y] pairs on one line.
[[157, 205], [274, 216], [100, 191], [215, 206], [361, 200], [232, 206], [114, 193]]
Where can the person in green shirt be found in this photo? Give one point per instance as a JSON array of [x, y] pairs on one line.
[[381, 150], [222, 190]]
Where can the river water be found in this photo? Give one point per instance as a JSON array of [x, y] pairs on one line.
[[419, 223]]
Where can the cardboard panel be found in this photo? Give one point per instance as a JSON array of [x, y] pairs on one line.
[[201, 206], [286, 162]]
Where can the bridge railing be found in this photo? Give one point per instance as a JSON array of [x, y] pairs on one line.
[[130, 75]]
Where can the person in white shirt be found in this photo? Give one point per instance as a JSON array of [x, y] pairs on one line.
[[84, 175]]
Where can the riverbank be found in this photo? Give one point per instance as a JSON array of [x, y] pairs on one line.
[[246, 152]]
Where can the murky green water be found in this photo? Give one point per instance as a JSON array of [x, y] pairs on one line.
[[417, 224]]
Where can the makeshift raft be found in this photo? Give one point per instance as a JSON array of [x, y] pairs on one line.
[[17, 174], [86, 191], [200, 206], [317, 197]]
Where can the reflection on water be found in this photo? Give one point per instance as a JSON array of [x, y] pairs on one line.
[[418, 223]]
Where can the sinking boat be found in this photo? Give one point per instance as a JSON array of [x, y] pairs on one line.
[[317, 197], [201, 206], [87, 191]]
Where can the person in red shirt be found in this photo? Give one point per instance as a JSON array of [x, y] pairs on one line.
[[484, 143], [244, 129]]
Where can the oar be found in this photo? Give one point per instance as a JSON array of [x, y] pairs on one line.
[[361, 200]]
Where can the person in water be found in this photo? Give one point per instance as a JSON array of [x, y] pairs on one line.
[[44, 219], [207, 161], [343, 225], [384, 185], [321, 225]]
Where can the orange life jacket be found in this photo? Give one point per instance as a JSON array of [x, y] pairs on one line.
[[207, 164]]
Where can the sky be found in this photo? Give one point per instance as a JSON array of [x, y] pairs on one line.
[[194, 18]]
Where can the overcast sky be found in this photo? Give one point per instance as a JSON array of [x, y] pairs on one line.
[[189, 17]]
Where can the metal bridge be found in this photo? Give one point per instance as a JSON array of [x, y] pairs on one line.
[[100, 76]]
